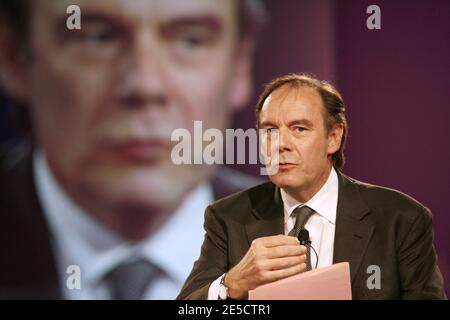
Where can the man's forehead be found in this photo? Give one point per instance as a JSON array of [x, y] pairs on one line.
[[142, 9], [291, 95]]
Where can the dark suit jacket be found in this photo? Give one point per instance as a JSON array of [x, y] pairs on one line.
[[27, 263], [374, 226]]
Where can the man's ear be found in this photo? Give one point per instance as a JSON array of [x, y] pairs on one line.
[[241, 84], [335, 138], [13, 63]]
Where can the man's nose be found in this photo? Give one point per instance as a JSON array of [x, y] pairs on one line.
[[285, 143], [142, 80]]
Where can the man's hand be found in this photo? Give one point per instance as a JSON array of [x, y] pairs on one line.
[[269, 259]]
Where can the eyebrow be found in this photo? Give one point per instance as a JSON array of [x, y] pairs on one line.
[[210, 21], [267, 123], [302, 122], [95, 16]]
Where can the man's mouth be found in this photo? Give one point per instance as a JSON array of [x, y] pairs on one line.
[[139, 150], [287, 165]]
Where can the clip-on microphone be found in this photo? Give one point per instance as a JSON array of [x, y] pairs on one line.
[[303, 237]]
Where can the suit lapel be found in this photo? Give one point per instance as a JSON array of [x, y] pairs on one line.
[[354, 227], [32, 268], [267, 214]]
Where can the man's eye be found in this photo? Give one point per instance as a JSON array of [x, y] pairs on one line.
[[94, 35], [98, 37], [194, 38], [300, 129]]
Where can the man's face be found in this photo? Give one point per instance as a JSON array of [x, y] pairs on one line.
[[105, 99], [297, 116]]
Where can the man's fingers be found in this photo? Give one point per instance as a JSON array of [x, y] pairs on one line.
[[285, 251], [284, 273], [285, 263], [274, 241]]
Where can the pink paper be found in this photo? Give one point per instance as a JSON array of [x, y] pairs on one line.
[[329, 283]]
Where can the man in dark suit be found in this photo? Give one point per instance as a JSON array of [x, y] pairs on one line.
[[93, 207], [251, 236]]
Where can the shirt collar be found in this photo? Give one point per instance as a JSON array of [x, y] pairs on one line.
[[167, 245], [324, 202], [82, 240]]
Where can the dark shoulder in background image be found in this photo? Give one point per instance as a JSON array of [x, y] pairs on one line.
[[93, 94]]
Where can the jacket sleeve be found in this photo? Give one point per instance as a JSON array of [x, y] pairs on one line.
[[213, 260], [419, 273]]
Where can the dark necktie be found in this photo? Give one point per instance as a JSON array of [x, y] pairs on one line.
[[302, 215], [129, 280]]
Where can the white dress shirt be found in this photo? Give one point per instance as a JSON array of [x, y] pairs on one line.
[[79, 239], [321, 225]]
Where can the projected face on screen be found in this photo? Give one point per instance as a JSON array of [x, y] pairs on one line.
[[106, 98]]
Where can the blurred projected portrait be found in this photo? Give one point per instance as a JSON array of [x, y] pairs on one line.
[[94, 186]]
